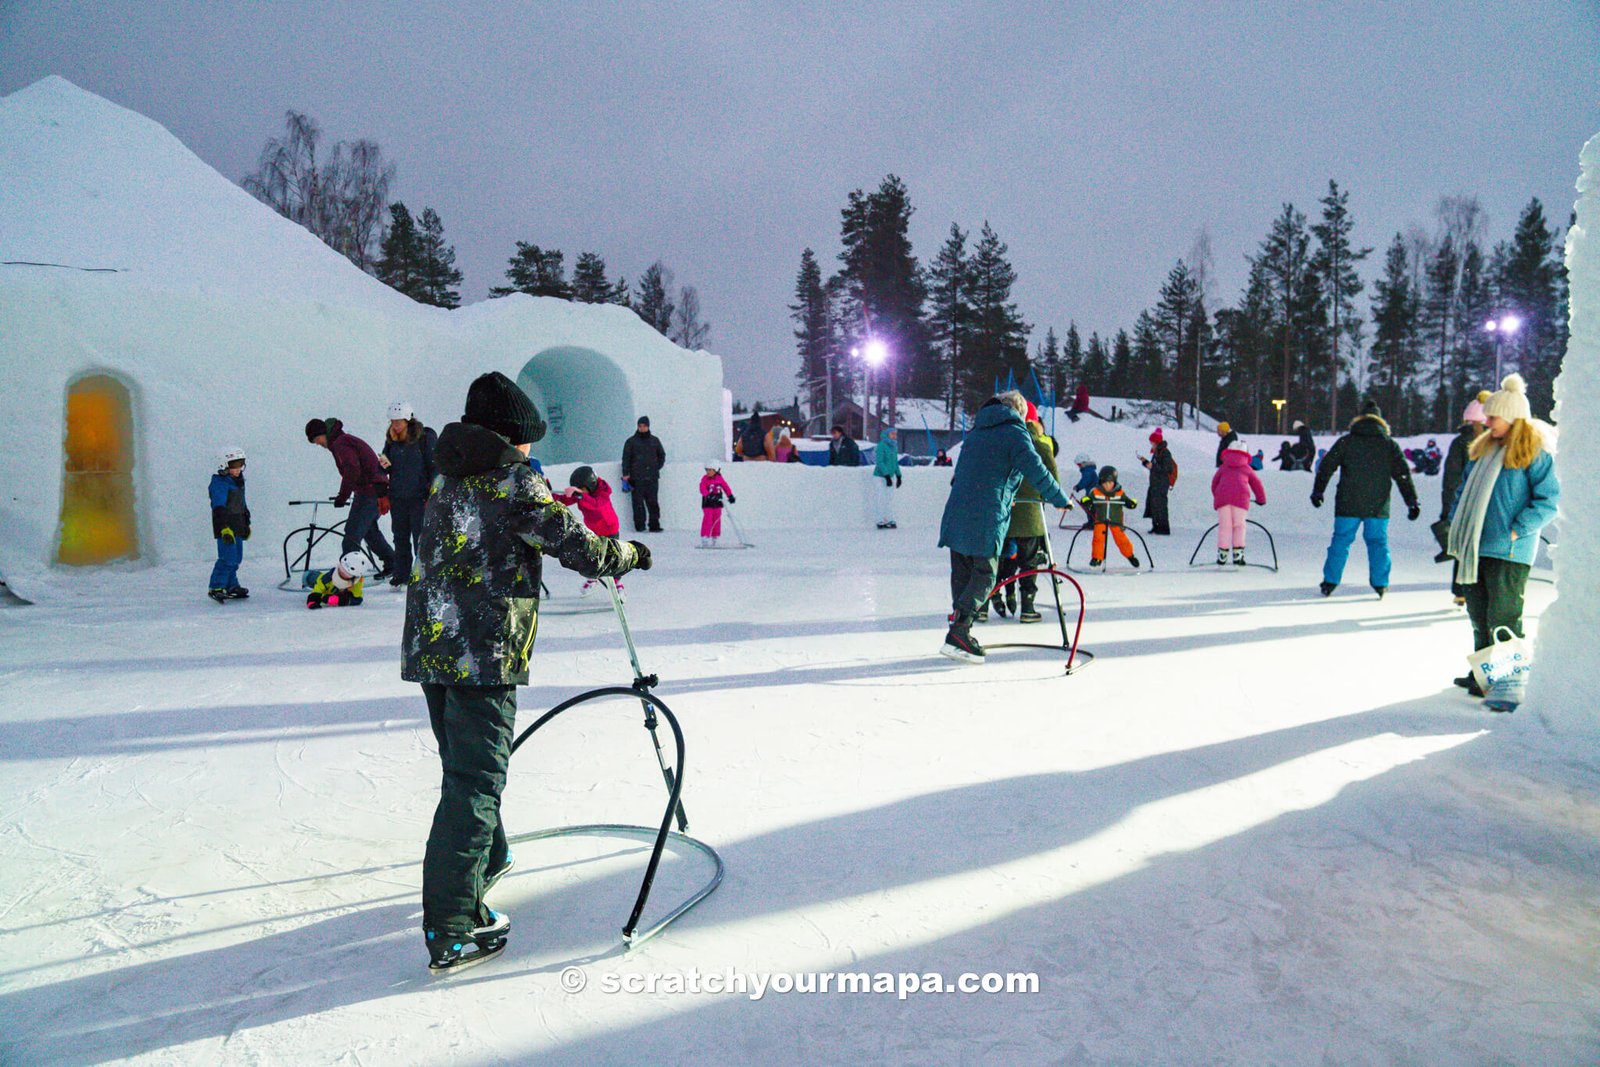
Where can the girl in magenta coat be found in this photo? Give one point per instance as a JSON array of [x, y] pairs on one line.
[[1231, 489], [714, 490]]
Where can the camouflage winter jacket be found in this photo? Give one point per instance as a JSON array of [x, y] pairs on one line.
[[472, 614]]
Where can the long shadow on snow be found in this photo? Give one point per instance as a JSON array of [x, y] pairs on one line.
[[312, 969]]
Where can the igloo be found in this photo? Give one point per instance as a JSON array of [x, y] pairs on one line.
[[153, 313]]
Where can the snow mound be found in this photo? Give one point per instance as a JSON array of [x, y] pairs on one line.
[[85, 183], [1561, 688]]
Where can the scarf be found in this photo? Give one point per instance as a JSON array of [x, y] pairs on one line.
[[1466, 530]]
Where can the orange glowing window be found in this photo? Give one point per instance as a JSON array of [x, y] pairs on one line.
[[98, 522]]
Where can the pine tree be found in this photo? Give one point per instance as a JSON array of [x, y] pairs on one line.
[[1394, 355], [1174, 318], [1149, 370], [887, 282], [1071, 362], [813, 336], [1096, 364], [1336, 264], [999, 336], [1285, 261], [1526, 281], [400, 253], [1047, 365], [1438, 324], [440, 276], [655, 305], [619, 293], [1119, 381], [1472, 362], [950, 316], [589, 282], [535, 271]]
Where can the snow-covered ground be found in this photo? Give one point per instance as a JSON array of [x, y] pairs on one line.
[[1262, 827]]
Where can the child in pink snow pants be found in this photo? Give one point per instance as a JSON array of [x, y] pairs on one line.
[[1231, 489], [713, 490]]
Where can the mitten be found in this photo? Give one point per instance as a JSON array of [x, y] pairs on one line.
[[642, 554], [732, 499], [897, 481], [1413, 511], [1316, 500]]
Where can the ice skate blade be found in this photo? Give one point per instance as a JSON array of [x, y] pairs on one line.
[[959, 655], [465, 960]]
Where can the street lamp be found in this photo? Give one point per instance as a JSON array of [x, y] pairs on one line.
[[1503, 328], [1279, 404], [876, 353]]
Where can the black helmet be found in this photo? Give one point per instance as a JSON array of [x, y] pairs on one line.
[[584, 478], [1108, 474]]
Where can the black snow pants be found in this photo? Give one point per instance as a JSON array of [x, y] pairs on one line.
[[362, 525], [646, 508], [1155, 508], [971, 579], [1029, 556], [473, 725], [405, 520], [1495, 599]]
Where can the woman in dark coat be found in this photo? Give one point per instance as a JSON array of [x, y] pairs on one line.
[[1161, 466]]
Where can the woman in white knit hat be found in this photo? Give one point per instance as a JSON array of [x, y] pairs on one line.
[[1508, 494]]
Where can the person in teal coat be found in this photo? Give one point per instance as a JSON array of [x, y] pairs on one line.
[[995, 458], [887, 467]]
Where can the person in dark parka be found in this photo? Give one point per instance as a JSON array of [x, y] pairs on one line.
[[997, 455], [842, 450], [642, 459], [1368, 460], [408, 457], [1455, 462], [1304, 449], [470, 621], [1161, 466]]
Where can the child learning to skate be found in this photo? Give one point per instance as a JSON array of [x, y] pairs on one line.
[[230, 525], [591, 495], [1232, 488], [1105, 504], [339, 586], [713, 490]]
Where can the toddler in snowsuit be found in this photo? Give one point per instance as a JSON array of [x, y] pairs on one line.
[[230, 525], [339, 586], [1088, 473], [1231, 489], [713, 489], [591, 494], [1105, 504]]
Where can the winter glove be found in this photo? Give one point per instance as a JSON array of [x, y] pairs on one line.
[[1413, 512], [897, 481], [227, 536], [314, 601], [888, 480], [732, 499], [642, 552], [341, 501], [1316, 500], [627, 486]]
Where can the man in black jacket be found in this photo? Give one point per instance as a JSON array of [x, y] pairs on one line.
[[471, 616], [642, 460], [842, 450], [1369, 460]]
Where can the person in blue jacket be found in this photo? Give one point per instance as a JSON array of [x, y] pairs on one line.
[[230, 525], [997, 455], [887, 467], [1088, 474], [1508, 494]]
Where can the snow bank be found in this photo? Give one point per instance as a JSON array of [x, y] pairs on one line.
[[1562, 686]]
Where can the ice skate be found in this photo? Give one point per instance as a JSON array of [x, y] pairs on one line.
[[1327, 588], [959, 644], [238, 592], [1238, 557], [448, 951], [219, 595], [1222, 556]]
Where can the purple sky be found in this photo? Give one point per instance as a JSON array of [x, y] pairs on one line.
[[1097, 139]]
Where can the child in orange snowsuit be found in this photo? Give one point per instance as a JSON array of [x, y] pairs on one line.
[[1105, 504]]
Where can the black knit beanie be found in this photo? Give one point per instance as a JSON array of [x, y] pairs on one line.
[[497, 403], [644, 420], [1371, 407], [316, 428]]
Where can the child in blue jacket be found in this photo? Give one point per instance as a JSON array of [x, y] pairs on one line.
[[230, 525]]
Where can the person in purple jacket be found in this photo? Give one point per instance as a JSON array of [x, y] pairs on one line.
[[1231, 489], [363, 485]]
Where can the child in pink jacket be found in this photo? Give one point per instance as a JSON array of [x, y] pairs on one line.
[[592, 497], [713, 490], [1231, 489]]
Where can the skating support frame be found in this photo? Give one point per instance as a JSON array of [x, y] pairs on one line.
[[294, 571], [1270, 544], [652, 704], [1089, 526], [1077, 658]]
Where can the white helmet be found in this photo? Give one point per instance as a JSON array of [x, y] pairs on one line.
[[355, 564], [229, 455], [401, 410]]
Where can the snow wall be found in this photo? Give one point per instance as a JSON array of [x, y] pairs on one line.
[[1561, 688], [124, 256]]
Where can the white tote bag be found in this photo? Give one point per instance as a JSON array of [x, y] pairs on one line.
[[1502, 668]]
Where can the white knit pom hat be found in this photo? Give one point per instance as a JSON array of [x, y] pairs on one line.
[[1511, 402]]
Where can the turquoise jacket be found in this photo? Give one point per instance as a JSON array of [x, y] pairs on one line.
[[1523, 500], [996, 456], [887, 455]]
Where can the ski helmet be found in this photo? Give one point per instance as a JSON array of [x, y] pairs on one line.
[[355, 564], [584, 478], [1108, 474], [1082, 459], [401, 410], [228, 455]]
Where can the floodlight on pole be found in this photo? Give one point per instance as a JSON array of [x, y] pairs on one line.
[[875, 352], [1503, 328]]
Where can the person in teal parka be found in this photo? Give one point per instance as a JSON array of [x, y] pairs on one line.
[[887, 467], [996, 456]]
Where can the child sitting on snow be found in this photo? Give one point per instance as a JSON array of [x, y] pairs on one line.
[[339, 586], [1105, 504], [230, 525], [713, 489], [591, 494]]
